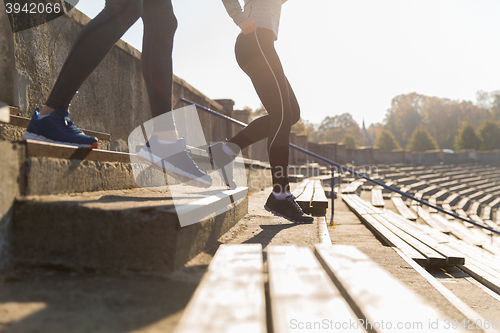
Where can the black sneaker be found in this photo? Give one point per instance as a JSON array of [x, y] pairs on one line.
[[175, 160], [287, 208], [223, 162]]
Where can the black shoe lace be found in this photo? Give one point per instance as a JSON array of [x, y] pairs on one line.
[[291, 198]]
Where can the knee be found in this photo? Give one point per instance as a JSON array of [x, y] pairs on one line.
[[126, 10], [159, 15], [295, 115]]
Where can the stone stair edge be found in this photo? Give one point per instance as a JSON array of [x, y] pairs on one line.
[[19, 121]]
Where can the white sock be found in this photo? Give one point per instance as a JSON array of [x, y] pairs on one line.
[[281, 196], [227, 150], [41, 117]]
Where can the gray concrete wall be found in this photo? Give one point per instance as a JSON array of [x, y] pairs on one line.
[[112, 100], [11, 165], [6, 58]]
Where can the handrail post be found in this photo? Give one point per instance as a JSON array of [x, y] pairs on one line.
[[332, 192]]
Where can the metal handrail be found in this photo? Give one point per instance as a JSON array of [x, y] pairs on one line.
[[353, 172]]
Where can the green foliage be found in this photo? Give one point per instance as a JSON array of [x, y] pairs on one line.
[[404, 116], [440, 116], [421, 140], [299, 128], [333, 129], [349, 141], [489, 132], [495, 105], [467, 138], [386, 141]]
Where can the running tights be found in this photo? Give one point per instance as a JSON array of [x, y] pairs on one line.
[[97, 38], [257, 57]]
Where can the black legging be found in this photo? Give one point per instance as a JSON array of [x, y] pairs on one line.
[[257, 57], [97, 38]]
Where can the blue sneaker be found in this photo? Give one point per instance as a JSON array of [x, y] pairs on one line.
[[174, 159], [57, 128]]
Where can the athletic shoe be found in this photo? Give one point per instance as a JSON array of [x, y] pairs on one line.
[[223, 162], [175, 160], [287, 208], [57, 128]]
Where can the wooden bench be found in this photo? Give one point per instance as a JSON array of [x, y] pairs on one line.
[[402, 208], [337, 285], [230, 297], [353, 186], [377, 198], [295, 178], [311, 197], [398, 232]]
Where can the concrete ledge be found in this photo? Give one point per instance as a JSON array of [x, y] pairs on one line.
[[4, 114], [115, 230], [24, 122], [10, 172], [43, 149], [46, 175], [11, 133], [56, 169]]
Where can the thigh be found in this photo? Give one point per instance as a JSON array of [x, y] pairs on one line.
[[118, 7], [158, 8], [263, 65], [293, 103]]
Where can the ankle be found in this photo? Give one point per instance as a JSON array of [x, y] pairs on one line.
[[281, 195], [46, 110]]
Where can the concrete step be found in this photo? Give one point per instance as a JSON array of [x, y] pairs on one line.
[[57, 169], [4, 113], [135, 230], [13, 130]]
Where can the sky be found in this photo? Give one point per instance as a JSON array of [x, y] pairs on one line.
[[342, 56]]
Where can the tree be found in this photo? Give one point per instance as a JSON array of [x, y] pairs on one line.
[[261, 111], [404, 116], [467, 138], [349, 141], [442, 117], [489, 132], [386, 141], [312, 132], [299, 128], [421, 140], [334, 128], [495, 105], [374, 131]]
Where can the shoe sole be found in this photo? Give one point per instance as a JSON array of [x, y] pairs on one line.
[[285, 217], [171, 170], [219, 170], [41, 138]]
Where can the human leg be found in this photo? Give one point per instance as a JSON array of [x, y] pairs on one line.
[[160, 25], [164, 149], [92, 44], [52, 123], [258, 58]]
